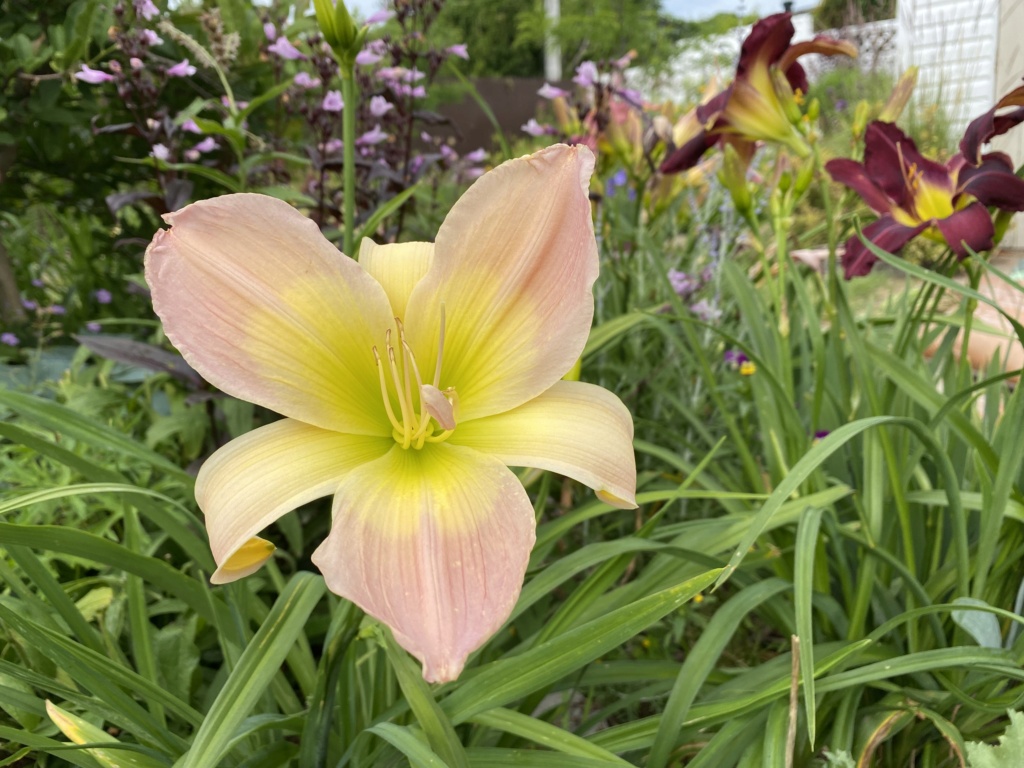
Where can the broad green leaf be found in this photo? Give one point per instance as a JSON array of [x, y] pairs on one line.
[[1009, 753]]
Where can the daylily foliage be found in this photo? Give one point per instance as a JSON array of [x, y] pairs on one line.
[[409, 381]]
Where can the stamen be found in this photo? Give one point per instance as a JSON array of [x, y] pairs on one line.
[[406, 417], [384, 391], [440, 352], [422, 427]]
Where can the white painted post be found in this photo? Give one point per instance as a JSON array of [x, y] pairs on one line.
[[552, 50], [1009, 71]]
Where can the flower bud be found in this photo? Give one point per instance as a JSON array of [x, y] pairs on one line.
[[733, 176], [787, 98], [860, 119], [804, 177], [900, 96]]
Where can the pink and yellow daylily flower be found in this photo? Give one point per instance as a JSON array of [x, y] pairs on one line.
[[763, 101], [410, 380]]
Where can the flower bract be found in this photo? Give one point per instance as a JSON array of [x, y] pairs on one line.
[[410, 381]]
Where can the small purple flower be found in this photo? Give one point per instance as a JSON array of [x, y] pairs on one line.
[[38, 283], [92, 76], [269, 31], [372, 137], [303, 80], [476, 156], [380, 17], [181, 69], [625, 61], [189, 126], [534, 128], [619, 179], [57, 309], [149, 37], [192, 155], [379, 106], [458, 50], [333, 145], [472, 173], [103, 296], [840, 105], [549, 91], [238, 104], [706, 311], [366, 58], [707, 274], [821, 434], [136, 63], [206, 145], [586, 74], [333, 102], [683, 283], [146, 9], [9, 339], [30, 305], [93, 327], [283, 48], [734, 357], [449, 154], [160, 152], [632, 96]]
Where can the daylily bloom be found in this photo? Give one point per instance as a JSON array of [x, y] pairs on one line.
[[763, 101], [915, 195], [982, 129], [409, 380]]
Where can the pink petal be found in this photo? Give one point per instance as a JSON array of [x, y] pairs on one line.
[[267, 310], [434, 543], [578, 430], [514, 265], [260, 476]]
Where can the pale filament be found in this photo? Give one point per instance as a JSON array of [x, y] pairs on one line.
[[412, 429]]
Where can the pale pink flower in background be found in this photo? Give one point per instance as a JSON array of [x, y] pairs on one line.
[[380, 17], [459, 50], [379, 106], [206, 145], [473, 173], [189, 126], [103, 296], [534, 128], [333, 145], [409, 381], [136, 62], [149, 37], [160, 152], [283, 48], [372, 137], [114, 65], [146, 9], [586, 74], [367, 57], [333, 102], [549, 91], [192, 155], [92, 76], [269, 31], [93, 327], [476, 156], [9, 339], [181, 69], [304, 80]]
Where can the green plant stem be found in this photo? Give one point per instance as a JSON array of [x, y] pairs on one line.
[[348, 128]]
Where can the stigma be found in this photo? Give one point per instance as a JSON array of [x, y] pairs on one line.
[[425, 413]]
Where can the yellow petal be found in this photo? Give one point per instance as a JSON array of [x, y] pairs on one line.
[[514, 265], [258, 477], [266, 309], [434, 543], [578, 430], [397, 267]]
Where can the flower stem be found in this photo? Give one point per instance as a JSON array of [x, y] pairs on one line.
[[348, 129]]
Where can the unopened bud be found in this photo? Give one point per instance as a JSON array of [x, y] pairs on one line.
[[733, 176], [900, 96], [860, 119], [785, 180], [814, 110], [787, 98], [804, 177]]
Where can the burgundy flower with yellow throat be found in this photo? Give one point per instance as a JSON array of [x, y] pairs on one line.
[[762, 103], [409, 381], [915, 196]]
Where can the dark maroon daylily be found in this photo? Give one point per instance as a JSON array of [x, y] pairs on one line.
[[915, 195], [982, 129], [762, 103]]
